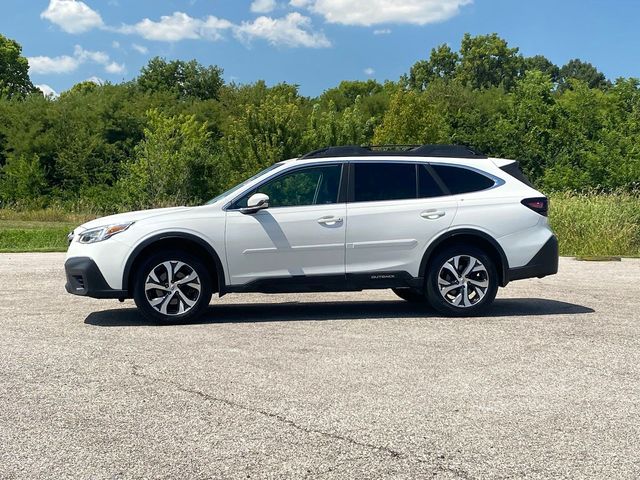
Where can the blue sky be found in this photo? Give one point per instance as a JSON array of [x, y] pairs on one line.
[[312, 43]]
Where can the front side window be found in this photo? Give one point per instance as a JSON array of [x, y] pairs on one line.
[[316, 185], [462, 180], [384, 181]]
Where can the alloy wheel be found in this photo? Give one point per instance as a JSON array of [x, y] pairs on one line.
[[172, 287], [463, 281]]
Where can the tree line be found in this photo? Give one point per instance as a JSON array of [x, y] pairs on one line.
[[178, 134]]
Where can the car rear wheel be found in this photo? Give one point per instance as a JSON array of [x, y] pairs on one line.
[[172, 287], [462, 281]]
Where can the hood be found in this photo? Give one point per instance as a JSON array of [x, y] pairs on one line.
[[131, 217]]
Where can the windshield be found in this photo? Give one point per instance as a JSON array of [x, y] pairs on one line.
[[240, 185]]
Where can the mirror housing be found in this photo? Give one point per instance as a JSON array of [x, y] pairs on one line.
[[256, 202]]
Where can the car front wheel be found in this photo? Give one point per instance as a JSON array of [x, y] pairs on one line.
[[172, 287], [462, 281]]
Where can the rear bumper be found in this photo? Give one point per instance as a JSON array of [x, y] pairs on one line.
[[84, 278], [544, 263]]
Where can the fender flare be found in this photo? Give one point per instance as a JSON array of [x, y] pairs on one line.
[[174, 236], [503, 268]]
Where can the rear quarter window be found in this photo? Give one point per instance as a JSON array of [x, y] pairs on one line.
[[462, 180]]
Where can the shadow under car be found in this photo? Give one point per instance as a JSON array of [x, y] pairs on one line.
[[347, 310]]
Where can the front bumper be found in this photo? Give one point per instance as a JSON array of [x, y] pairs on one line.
[[544, 263], [84, 278]]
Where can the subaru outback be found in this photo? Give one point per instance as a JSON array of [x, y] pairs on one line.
[[438, 224]]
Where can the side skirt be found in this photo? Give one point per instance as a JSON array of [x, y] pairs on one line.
[[351, 282]]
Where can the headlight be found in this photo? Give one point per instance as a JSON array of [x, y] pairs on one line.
[[102, 233]]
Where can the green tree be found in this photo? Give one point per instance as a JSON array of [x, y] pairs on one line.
[[413, 118], [347, 92], [262, 134], [583, 71], [544, 65], [329, 127], [173, 164], [14, 70], [442, 64], [525, 130], [185, 79], [96, 145], [487, 61], [579, 161]]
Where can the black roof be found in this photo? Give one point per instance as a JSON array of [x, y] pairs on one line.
[[455, 151]]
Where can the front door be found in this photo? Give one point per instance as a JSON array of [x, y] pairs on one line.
[[301, 234]]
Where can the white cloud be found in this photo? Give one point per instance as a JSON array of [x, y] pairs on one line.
[[382, 31], [178, 26], [263, 6], [72, 16], [115, 44], [369, 71], [87, 55], [47, 91], [291, 31], [140, 49], [114, 68], [68, 63], [373, 12], [299, 3], [96, 80], [61, 64]]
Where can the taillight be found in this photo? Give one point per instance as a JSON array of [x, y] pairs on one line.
[[539, 205]]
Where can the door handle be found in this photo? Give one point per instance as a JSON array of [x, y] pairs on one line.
[[329, 220], [433, 214]]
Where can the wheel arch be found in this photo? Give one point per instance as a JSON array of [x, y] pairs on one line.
[[176, 240], [468, 236]]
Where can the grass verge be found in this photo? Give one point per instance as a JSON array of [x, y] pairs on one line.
[[34, 236], [37, 230]]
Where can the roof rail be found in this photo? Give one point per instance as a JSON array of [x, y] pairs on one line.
[[432, 150]]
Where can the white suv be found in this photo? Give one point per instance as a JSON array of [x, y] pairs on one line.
[[437, 223]]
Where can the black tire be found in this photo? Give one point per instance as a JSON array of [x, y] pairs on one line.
[[469, 291], [410, 295], [180, 299]]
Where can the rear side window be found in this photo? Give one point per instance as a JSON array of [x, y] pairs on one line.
[[384, 181], [461, 180]]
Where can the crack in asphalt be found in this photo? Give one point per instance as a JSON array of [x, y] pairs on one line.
[[274, 416], [311, 431]]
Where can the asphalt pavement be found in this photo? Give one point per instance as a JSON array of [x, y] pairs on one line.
[[346, 385]]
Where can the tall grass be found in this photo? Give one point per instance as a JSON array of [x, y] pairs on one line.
[[602, 224], [53, 214]]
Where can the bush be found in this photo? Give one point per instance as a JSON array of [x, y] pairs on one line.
[[22, 181]]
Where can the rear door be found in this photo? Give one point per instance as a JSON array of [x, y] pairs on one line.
[[395, 208]]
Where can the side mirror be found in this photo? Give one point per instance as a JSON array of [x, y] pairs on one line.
[[257, 201]]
